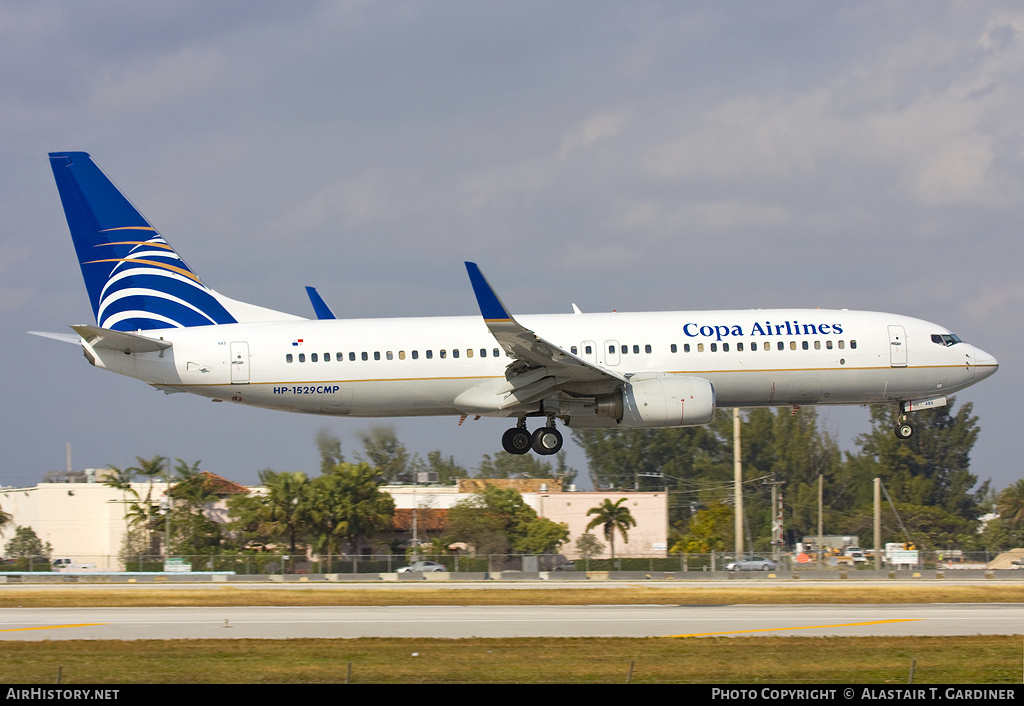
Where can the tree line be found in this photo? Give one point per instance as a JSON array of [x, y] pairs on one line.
[[936, 501], [933, 498], [343, 508]]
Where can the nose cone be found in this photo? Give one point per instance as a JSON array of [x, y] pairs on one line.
[[984, 364]]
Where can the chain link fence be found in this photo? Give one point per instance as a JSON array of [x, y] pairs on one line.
[[276, 564]]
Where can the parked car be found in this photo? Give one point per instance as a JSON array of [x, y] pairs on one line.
[[753, 563], [424, 566]]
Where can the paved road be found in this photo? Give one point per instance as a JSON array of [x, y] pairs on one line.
[[506, 621]]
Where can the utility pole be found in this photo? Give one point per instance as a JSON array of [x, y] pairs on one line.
[[821, 519], [878, 523], [776, 516], [737, 482], [167, 530], [415, 532]]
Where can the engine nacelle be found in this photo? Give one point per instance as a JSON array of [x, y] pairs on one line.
[[662, 401]]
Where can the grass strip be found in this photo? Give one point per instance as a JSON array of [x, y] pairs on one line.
[[713, 660], [619, 594]]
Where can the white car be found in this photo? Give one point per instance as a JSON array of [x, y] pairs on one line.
[[424, 566], [754, 563]]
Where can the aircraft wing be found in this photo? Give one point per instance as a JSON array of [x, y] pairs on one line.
[[530, 351]]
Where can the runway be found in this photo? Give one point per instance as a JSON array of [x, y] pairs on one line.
[[270, 622]]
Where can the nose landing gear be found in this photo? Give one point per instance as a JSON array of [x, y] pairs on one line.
[[903, 428]]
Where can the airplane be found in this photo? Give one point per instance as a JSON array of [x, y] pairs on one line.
[[158, 322]]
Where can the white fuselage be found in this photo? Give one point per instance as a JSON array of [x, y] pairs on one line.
[[425, 366]]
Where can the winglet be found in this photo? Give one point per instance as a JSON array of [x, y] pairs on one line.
[[526, 348], [490, 305], [319, 305]]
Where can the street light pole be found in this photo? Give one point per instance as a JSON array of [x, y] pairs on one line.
[[737, 482]]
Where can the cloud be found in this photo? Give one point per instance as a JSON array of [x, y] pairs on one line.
[[134, 87], [709, 215], [344, 203], [927, 116], [604, 125]]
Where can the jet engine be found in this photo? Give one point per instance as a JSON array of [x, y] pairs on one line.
[[660, 401]]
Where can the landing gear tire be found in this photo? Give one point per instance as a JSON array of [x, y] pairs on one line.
[[547, 441], [516, 441], [903, 431]]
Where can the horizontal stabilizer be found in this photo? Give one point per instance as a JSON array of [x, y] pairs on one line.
[[128, 343], [63, 337]]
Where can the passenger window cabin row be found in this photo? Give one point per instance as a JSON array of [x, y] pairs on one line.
[[352, 356], [588, 350], [723, 346]]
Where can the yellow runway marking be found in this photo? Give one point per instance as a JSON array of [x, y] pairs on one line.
[[804, 627], [53, 627]]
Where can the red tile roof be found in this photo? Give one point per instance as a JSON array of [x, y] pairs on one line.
[[216, 484], [427, 519]]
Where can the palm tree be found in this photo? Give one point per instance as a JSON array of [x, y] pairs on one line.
[[1010, 504], [346, 505], [285, 505], [144, 511], [612, 516], [121, 479]]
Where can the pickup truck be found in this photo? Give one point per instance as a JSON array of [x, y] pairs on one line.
[[64, 564]]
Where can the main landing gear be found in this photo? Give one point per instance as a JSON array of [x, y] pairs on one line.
[[545, 441], [903, 429]]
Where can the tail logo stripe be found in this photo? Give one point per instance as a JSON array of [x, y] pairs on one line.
[[164, 246], [172, 268], [137, 292]]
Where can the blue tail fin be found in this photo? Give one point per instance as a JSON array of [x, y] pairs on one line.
[[135, 280]]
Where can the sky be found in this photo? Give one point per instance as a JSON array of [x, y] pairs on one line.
[[629, 156]]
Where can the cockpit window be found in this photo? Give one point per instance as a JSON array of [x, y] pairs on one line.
[[946, 339]]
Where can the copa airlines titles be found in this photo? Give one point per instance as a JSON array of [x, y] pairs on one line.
[[767, 328]]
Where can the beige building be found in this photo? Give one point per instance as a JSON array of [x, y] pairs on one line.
[[86, 521], [650, 510], [82, 521]]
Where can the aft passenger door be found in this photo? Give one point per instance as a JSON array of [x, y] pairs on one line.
[[897, 347], [239, 362]]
